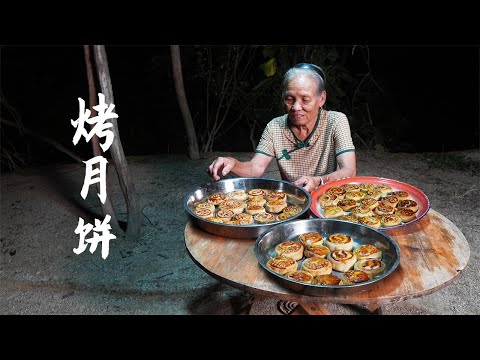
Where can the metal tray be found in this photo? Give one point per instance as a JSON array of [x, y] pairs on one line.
[[265, 249], [299, 196]]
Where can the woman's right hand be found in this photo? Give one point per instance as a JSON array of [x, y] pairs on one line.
[[221, 165]]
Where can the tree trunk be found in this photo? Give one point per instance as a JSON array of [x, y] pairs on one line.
[[182, 102], [107, 208], [134, 214]]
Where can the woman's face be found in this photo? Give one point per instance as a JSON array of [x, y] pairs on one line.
[[302, 101]]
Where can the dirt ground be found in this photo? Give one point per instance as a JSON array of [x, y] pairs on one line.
[[40, 274]]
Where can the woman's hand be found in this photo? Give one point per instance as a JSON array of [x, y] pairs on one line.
[[221, 164], [309, 183]]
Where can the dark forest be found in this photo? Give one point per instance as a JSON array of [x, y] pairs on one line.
[[397, 98]]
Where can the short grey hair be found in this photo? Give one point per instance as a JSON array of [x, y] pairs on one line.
[[307, 70]]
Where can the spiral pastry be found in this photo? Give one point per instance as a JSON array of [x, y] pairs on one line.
[[205, 205], [244, 217], [328, 279], [217, 198], [291, 249], [390, 200], [347, 204], [282, 264], [301, 276], [405, 214], [203, 213], [365, 187], [383, 209], [316, 251], [277, 195], [338, 192], [225, 214], [240, 195], [338, 241], [354, 277], [263, 218], [317, 266], [235, 205], [327, 199], [292, 209], [408, 204], [342, 260], [385, 189], [371, 221], [355, 195], [369, 202], [367, 251], [311, 238], [348, 217], [401, 195], [361, 211], [374, 193], [371, 266], [390, 220]]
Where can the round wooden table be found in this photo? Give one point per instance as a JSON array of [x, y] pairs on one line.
[[433, 252]]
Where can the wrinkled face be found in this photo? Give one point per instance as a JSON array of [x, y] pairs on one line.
[[302, 101]]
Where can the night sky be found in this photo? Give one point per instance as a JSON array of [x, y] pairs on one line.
[[431, 98]]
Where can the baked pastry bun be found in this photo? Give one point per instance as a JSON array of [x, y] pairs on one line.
[[282, 264], [203, 213], [237, 195], [316, 250], [291, 249], [383, 209], [374, 193], [390, 220], [224, 214], [348, 217], [327, 200], [354, 277], [275, 206], [256, 200], [244, 218], [338, 241], [256, 193], [277, 195], [390, 200], [317, 266], [347, 204], [367, 251], [338, 192], [369, 202], [301, 276], [254, 209], [264, 218], [385, 189], [292, 209], [350, 187], [405, 214], [355, 195], [332, 211], [342, 260], [328, 279], [284, 216], [371, 221], [311, 238], [366, 186], [401, 195], [205, 205], [408, 204], [371, 266], [361, 211], [215, 219], [235, 205], [217, 198]]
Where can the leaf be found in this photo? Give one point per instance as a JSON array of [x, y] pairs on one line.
[[269, 67]]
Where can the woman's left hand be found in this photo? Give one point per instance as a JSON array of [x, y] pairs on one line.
[[309, 183]]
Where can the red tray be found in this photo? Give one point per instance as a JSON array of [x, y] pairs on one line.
[[415, 194]]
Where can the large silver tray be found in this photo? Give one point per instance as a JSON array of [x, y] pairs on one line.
[[265, 249], [298, 196]]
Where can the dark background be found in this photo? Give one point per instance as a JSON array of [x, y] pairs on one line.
[[430, 101]]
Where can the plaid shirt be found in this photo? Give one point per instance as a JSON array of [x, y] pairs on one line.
[[316, 155]]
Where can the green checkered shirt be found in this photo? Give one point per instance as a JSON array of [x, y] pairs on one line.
[[316, 155]]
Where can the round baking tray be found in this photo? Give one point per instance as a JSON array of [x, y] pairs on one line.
[[295, 196], [265, 249], [415, 194]]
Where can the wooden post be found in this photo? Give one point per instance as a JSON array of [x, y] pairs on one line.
[[134, 214], [107, 208], [182, 102]]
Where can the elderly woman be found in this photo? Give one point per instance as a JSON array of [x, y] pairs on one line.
[[311, 145]]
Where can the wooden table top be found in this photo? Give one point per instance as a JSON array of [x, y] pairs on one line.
[[433, 252]]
